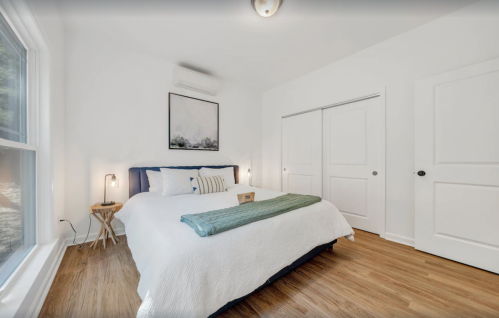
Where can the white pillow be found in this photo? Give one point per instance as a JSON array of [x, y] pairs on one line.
[[155, 181], [178, 181], [227, 173]]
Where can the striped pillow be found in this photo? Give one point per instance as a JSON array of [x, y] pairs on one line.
[[204, 185]]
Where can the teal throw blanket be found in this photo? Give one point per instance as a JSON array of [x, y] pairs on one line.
[[214, 222]]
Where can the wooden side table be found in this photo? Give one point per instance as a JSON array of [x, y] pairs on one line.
[[105, 214]]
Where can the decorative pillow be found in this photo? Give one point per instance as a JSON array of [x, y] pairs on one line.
[[155, 181], [227, 173], [177, 181], [204, 185]]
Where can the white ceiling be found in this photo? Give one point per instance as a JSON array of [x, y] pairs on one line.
[[227, 39]]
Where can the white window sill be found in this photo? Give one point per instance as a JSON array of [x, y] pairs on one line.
[[12, 277], [21, 293]]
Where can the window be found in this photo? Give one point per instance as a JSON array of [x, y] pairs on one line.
[[17, 157], [17, 208], [12, 85]]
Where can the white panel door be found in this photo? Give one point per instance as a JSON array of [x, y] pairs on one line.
[[353, 156], [457, 165], [302, 154]]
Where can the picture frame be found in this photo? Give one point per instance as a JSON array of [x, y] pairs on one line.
[[193, 123]]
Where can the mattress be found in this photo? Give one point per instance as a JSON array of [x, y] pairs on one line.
[[185, 275]]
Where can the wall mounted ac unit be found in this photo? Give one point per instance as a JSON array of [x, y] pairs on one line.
[[195, 81]]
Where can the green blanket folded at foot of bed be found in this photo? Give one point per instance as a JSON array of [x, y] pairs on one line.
[[214, 222]]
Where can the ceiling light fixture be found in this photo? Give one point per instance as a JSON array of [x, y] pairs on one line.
[[266, 8]]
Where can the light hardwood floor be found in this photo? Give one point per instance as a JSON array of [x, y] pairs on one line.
[[370, 277]]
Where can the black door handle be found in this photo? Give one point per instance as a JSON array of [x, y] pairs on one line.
[[421, 173]]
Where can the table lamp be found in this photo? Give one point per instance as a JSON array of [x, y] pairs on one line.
[[113, 184]]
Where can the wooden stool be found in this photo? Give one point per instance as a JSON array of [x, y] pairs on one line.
[[105, 214]]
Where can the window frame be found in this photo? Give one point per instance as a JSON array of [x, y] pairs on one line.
[[20, 19]]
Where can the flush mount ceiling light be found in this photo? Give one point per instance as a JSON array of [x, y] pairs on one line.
[[266, 8]]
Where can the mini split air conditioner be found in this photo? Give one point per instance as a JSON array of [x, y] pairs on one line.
[[195, 81]]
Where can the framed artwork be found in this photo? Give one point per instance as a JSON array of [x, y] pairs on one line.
[[193, 123]]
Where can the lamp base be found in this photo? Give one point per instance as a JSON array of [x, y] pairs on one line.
[[107, 203]]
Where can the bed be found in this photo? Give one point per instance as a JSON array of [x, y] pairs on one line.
[[185, 275]]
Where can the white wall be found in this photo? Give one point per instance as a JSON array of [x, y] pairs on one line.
[[117, 118], [462, 38]]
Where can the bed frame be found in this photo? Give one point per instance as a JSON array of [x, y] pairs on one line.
[[139, 183]]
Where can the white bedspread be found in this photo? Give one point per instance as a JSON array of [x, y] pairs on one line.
[[185, 275]]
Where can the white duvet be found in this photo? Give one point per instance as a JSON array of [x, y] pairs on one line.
[[185, 275]]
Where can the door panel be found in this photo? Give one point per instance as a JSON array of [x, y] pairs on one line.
[[302, 154], [459, 201], [349, 195], [457, 145], [352, 143], [463, 131], [301, 184], [347, 135]]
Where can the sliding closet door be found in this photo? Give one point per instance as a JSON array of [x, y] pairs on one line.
[[457, 165], [354, 162], [302, 154]]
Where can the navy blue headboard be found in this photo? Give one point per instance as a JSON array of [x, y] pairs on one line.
[[139, 182]]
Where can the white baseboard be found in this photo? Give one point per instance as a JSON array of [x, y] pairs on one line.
[[39, 300], [400, 239], [91, 237]]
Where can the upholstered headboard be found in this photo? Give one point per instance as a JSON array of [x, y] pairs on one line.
[[139, 182]]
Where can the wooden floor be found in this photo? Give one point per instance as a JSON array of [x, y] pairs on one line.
[[370, 277]]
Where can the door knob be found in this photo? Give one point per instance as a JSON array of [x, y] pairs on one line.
[[421, 173], [375, 173], [284, 169]]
